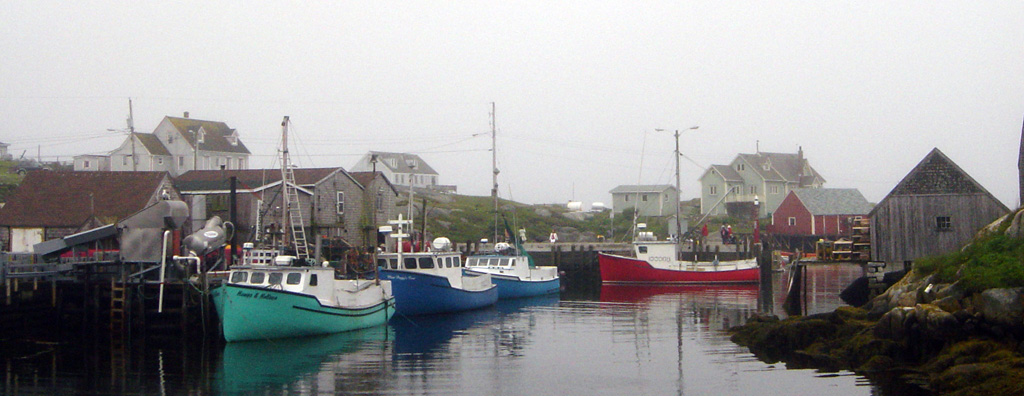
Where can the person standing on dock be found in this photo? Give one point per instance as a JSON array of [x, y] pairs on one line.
[[554, 236]]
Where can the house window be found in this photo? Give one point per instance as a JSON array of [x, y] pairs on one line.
[[773, 189], [713, 190], [753, 189], [341, 202], [644, 198], [241, 162], [181, 161], [627, 197], [85, 164], [380, 201], [943, 223], [734, 189], [741, 167], [792, 221], [170, 139], [159, 160], [124, 160]]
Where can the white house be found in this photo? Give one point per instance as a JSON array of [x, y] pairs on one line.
[[177, 145], [650, 200], [769, 177], [401, 169]]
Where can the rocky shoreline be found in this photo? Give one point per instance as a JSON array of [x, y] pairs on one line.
[[928, 334]]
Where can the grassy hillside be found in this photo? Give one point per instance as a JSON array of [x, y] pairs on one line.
[[464, 218]]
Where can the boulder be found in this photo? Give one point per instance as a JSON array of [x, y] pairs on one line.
[[1016, 228], [1002, 307]]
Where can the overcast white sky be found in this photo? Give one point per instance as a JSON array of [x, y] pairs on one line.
[[868, 88]]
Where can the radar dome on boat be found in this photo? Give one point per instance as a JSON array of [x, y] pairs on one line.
[[441, 244]]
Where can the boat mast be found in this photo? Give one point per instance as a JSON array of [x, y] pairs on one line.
[[291, 215], [679, 193], [494, 176]]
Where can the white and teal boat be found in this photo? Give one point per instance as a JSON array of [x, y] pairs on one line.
[[276, 301], [512, 269]]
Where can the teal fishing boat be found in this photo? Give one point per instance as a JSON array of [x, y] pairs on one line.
[[266, 302]]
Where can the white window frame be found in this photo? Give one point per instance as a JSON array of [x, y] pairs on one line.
[[792, 221], [713, 190], [340, 202]]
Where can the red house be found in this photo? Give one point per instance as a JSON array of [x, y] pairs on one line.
[[819, 211]]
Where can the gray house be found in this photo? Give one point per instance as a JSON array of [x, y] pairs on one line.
[[177, 145], [650, 200], [333, 203], [402, 169], [935, 209], [767, 176]]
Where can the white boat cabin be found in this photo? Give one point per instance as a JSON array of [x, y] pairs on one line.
[[318, 282]]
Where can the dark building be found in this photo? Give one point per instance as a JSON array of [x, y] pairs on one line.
[[935, 209]]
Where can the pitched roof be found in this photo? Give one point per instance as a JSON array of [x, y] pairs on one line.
[[936, 174], [152, 144], [248, 179], [783, 166], [654, 188], [833, 201], [63, 198], [215, 139], [727, 172], [403, 162], [365, 178]]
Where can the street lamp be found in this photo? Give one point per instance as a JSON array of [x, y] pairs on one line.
[[757, 218]]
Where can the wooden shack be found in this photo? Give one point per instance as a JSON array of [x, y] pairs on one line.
[[935, 209]]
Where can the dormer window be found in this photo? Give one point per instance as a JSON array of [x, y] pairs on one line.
[[393, 163], [201, 136], [411, 163], [233, 138], [767, 165]]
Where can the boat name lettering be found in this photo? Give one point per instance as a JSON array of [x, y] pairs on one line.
[[264, 296], [658, 258]]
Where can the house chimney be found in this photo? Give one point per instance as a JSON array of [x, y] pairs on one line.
[[800, 162], [186, 114]]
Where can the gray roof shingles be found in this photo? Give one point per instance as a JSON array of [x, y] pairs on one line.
[[833, 201]]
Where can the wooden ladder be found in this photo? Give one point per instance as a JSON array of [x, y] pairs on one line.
[[298, 230], [118, 306]]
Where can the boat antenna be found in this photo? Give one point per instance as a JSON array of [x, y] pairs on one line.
[[494, 173], [636, 199]]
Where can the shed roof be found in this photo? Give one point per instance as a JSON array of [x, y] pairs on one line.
[[69, 199], [365, 178], [936, 174], [248, 179], [833, 201]]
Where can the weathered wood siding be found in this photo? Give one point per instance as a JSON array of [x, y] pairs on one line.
[[903, 228]]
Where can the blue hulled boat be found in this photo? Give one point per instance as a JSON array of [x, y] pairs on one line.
[[514, 273], [433, 282]]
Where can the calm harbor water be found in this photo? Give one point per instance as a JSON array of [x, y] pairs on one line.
[[600, 340]]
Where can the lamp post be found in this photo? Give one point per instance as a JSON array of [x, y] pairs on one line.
[[757, 218]]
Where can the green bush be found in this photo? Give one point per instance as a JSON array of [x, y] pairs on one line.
[[992, 261]]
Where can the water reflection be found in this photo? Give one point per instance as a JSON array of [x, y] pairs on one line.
[[614, 340], [293, 364]]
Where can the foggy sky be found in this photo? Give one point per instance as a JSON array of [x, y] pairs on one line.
[[866, 88]]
